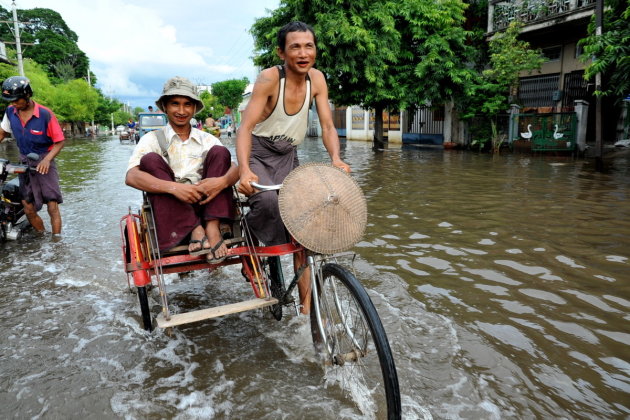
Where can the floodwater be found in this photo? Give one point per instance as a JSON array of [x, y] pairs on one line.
[[503, 283]]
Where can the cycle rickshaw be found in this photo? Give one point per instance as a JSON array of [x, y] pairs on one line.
[[329, 218]]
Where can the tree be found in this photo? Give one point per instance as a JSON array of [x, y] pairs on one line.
[[386, 54], [230, 92], [121, 117], [509, 56], [43, 90], [610, 52], [75, 102], [105, 108], [137, 110], [55, 44], [211, 106]]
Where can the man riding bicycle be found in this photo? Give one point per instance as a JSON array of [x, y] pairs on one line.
[[274, 123]]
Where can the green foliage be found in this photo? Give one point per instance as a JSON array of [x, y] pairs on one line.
[[489, 94], [611, 50], [74, 101], [509, 56], [105, 108], [379, 54], [55, 44], [230, 92], [121, 117], [211, 105], [42, 88]]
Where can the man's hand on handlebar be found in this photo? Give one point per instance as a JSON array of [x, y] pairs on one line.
[[338, 163], [245, 180]]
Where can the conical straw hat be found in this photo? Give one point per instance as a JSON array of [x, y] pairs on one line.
[[323, 208]]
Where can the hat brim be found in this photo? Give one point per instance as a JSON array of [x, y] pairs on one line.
[[198, 104]]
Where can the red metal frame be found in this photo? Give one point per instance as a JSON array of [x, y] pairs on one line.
[[142, 267]]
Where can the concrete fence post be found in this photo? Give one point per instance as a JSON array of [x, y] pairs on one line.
[[581, 113], [513, 123]]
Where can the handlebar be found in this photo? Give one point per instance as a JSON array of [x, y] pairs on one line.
[[13, 168], [17, 168], [265, 187]]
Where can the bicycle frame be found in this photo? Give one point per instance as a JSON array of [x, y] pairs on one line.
[[143, 261]]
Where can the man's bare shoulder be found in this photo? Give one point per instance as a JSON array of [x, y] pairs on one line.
[[318, 79], [267, 78]]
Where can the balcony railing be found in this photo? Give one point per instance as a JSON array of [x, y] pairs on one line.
[[502, 13]]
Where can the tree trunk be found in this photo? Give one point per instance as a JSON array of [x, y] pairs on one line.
[[379, 141]]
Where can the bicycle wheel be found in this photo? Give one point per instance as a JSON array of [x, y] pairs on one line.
[[354, 344], [276, 285], [144, 308]]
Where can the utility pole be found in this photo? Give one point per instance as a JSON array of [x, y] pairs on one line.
[[599, 145], [92, 128], [18, 45]]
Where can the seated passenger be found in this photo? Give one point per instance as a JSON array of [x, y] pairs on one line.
[[188, 175]]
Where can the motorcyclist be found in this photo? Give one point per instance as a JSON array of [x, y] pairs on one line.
[[36, 130]]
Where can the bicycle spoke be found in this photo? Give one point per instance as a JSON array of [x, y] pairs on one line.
[[355, 349]]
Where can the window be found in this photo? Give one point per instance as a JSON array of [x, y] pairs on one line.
[[552, 53], [538, 91]]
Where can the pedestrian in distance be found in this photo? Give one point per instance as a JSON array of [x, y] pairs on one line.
[[36, 130], [187, 174], [274, 123]]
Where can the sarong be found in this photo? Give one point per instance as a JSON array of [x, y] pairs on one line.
[[271, 162], [39, 188], [174, 219]]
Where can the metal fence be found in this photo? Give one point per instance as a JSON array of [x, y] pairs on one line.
[[547, 132], [538, 91], [427, 120]]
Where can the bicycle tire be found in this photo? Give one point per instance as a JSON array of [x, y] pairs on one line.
[[354, 333], [144, 308], [276, 285]]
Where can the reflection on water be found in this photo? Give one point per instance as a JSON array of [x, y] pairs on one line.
[[503, 283]]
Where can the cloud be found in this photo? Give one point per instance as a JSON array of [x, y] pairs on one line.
[[135, 45]]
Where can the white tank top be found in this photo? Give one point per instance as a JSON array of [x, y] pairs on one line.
[[281, 126]]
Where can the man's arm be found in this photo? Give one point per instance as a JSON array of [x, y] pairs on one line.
[[44, 165], [329, 133], [146, 182], [4, 126], [3, 135], [265, 86], [210, 187]]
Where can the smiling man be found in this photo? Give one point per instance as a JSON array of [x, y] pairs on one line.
[[187, 174], [273, 124]]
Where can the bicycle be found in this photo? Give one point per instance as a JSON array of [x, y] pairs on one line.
[[345, 327]]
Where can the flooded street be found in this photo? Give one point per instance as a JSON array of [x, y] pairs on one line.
[[503, 283]]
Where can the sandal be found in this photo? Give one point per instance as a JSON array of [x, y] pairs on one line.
[[201, 250], [212, 258]]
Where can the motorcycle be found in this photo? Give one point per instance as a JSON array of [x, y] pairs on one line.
[[13, 221]]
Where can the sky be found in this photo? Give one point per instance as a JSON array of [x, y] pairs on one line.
[[134, 46]]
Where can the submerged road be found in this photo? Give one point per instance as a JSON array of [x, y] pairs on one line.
[[503, 283]]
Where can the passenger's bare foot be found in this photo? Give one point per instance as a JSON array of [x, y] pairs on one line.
[[219, 249], [198, 240]]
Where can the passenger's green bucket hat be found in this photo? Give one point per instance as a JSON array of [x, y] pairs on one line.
[[179, 86]]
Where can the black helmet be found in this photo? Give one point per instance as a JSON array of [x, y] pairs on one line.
[[16, 87]]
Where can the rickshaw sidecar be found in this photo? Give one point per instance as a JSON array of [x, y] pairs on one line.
[[145, 266]]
